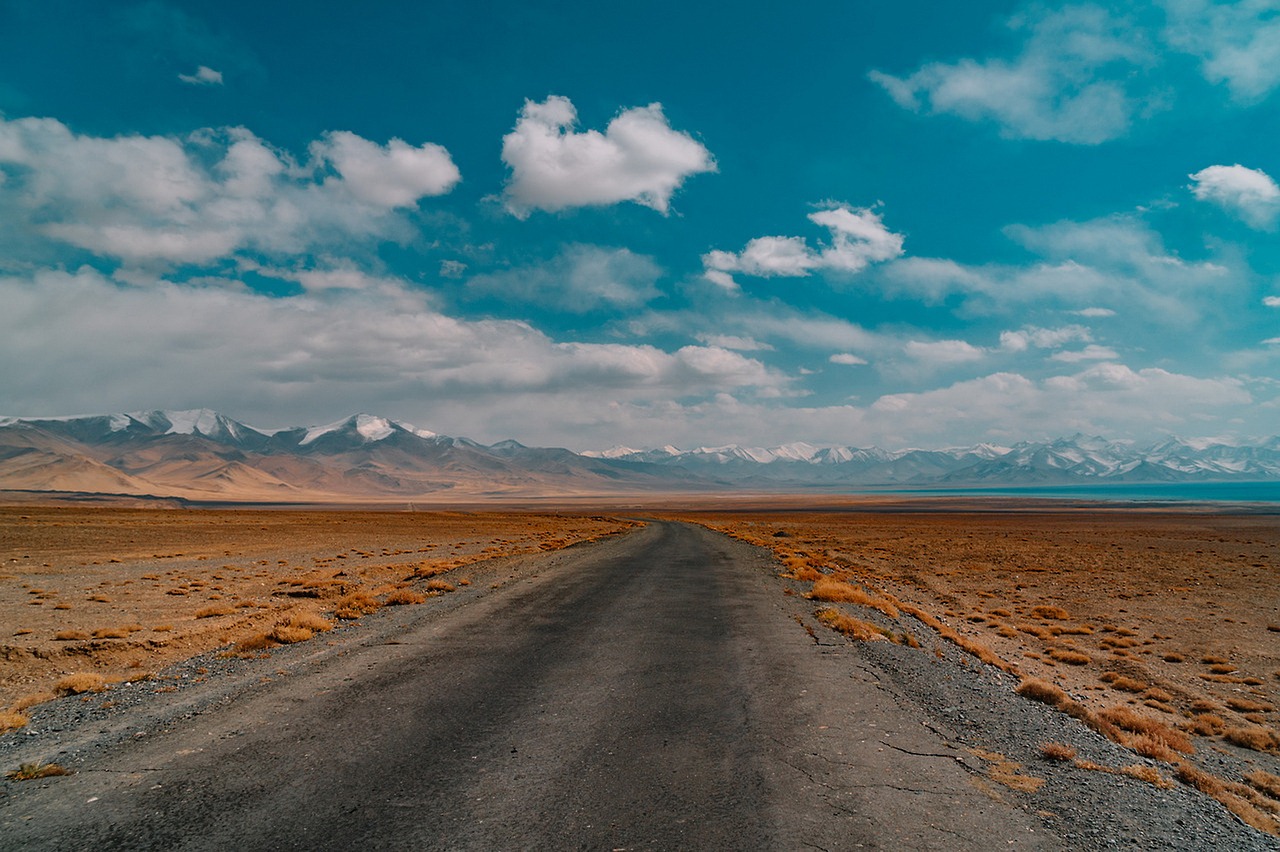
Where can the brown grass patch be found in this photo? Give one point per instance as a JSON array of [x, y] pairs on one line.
[[70, 635], [1152, 737], [1044, 692], [1254, 737], [440, 586], [1057, 751], [854, 628], [1050, 613], [111, 633], [76, 684], [404, 597], [839, 591], [11, 720], [1266, 782], [1004, 771], [1245, 705], [214, 611], [32, 771], [1070, 657], [355, 605]]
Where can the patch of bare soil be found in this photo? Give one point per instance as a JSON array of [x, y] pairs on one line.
[[95, 596], [1161, 631]]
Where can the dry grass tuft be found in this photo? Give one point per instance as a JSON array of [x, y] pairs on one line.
[[833, 590], [440, 586], [1070, 657], [32, 771], [1004, 771], [11, 720], [214, 611], [1254, 737], [1245, 705], [854, 628], [78, 683], [1267, 782], [1057, 751], [1055, 613], [111, 633], [355, 605], [1044, 692], [404, 597], [70, 635], [1214, 787], [1153, 738]]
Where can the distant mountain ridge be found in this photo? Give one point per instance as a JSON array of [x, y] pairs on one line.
[[201, 454]]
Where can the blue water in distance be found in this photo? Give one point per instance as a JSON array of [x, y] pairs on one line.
[[1170, 492]]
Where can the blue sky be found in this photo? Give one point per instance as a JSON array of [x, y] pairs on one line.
[[842, 223]]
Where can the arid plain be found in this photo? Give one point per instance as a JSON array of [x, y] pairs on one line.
[[1158, 629]]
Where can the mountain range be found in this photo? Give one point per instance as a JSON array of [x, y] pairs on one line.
[[201, 455]]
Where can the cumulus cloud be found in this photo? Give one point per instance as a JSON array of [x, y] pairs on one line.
[[1238, 43], [942, 353], [204, 76], [1249, 194], [639, 157], [847, 359], [1043, 338], [1067, 83], [1092, 352], [858, 239], [1271, 301], [582, 278], [194, 199]]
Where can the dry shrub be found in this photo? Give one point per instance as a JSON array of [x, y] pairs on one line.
[[1254, 737], [1245, 705], [11, 720], [162, 628], [1057, 751], [1264, 781], [1044, 692], [1150, 774], [78, 683], [1213, 787], [354, 605], [32, 771], [830, 589], [70, 635], [1123, 683], [31, 699], [1036, 631], [439, 586], [214, 611], [977, 649], [1070, 657], [1157, 694], [1004, 771], [1152, 735], [261, 642], [804, 572], [1055, 613], [1207, 724], [404, 597], [285, 634], [854, 628], [1174, 658], [111, 633]]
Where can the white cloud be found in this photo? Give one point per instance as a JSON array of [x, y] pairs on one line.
[[349, 345], [1237, 43], [162, 200], [581, 279], [1094, 313], [943, 352], [1043, 338], [1068, 83], [1271, 301], [638, 158], [1249, 194], [858, 239], [847, 359], [729, 341], [204, 76], [395, 175], [1092, 352]]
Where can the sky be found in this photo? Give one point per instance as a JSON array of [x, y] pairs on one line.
[[588, 225]]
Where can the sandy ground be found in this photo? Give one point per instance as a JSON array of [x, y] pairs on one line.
[[119, 593]]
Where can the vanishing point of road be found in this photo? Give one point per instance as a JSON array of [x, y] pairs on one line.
[[650, 691]]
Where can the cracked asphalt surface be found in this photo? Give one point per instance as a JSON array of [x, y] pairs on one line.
[[648, 691]]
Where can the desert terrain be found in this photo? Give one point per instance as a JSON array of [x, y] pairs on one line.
[[1158, 630], [91, 596]]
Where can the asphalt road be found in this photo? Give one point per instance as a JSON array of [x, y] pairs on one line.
[[652, 691]]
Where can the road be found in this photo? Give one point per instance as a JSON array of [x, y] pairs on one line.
[[652, 691]]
